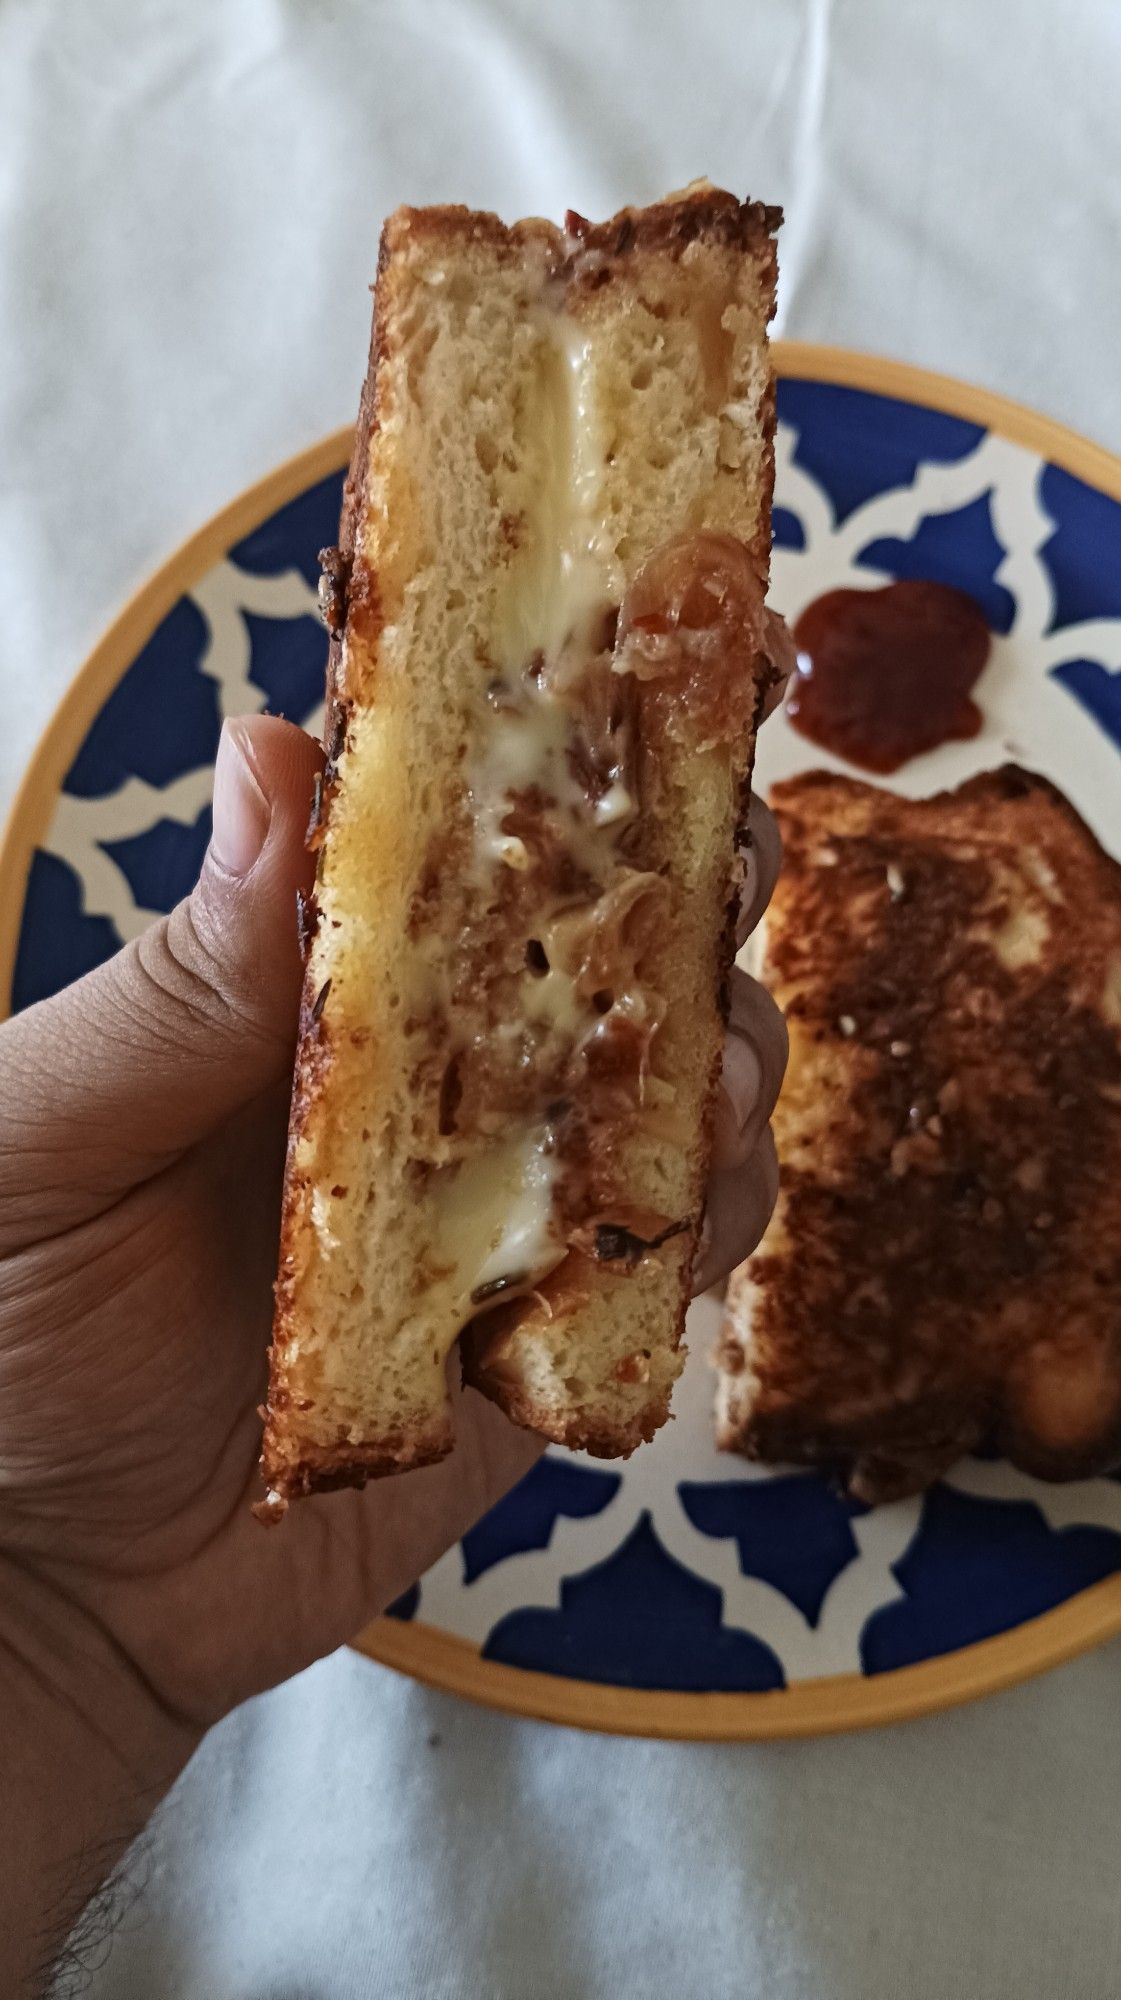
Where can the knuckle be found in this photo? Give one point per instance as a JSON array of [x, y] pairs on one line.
[[171, 979], [185, 979]]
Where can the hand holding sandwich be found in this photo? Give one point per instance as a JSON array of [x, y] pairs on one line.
[[142, 1118]]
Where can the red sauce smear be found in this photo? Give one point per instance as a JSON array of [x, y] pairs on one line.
[[886, 674]]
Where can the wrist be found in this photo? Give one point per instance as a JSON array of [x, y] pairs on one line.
[[88, 1752]]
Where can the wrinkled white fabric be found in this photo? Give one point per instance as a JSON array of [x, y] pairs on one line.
[[189, 204]]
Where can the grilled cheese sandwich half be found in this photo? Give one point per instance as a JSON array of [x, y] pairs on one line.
[[550, 652]]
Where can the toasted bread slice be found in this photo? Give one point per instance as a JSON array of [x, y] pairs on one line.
[[944, 1266], [549, 660]]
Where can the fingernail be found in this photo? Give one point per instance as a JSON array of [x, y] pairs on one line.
[[241, 810], [741, 1078]]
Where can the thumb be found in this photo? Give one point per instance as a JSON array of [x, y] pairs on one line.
[[105, 1083]]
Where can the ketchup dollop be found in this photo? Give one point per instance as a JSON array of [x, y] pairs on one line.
[[886, 674]]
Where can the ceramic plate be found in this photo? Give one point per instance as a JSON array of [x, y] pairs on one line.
[[684, 1593]]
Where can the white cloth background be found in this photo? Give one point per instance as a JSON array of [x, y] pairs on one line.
[[189, 201]]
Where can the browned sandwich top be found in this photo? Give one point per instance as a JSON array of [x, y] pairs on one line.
[[945, 1265]]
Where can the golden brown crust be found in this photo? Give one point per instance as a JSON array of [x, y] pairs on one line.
[[697, 211], [607, 1441], [290, 1466], [945, 1264], [332, 1467]]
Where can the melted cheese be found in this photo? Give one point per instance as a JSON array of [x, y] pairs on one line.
[[560, 581], [566, 571], [492, 1217], [554, 1000], [515, 748], [616, 804]]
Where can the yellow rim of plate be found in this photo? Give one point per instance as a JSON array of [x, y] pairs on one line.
[[809, 1708]]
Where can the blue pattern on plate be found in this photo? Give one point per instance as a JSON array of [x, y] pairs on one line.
[[959, 548], [57, 941], [978, 1567], [1083, 556], [606, 1593], [555, 1489], [157, 863], [787, 531], [293, 536], [161, 718], [857, 445], [289, 656], [794, 1532], [1098, 688], [404, 1607], [637, 1620]]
